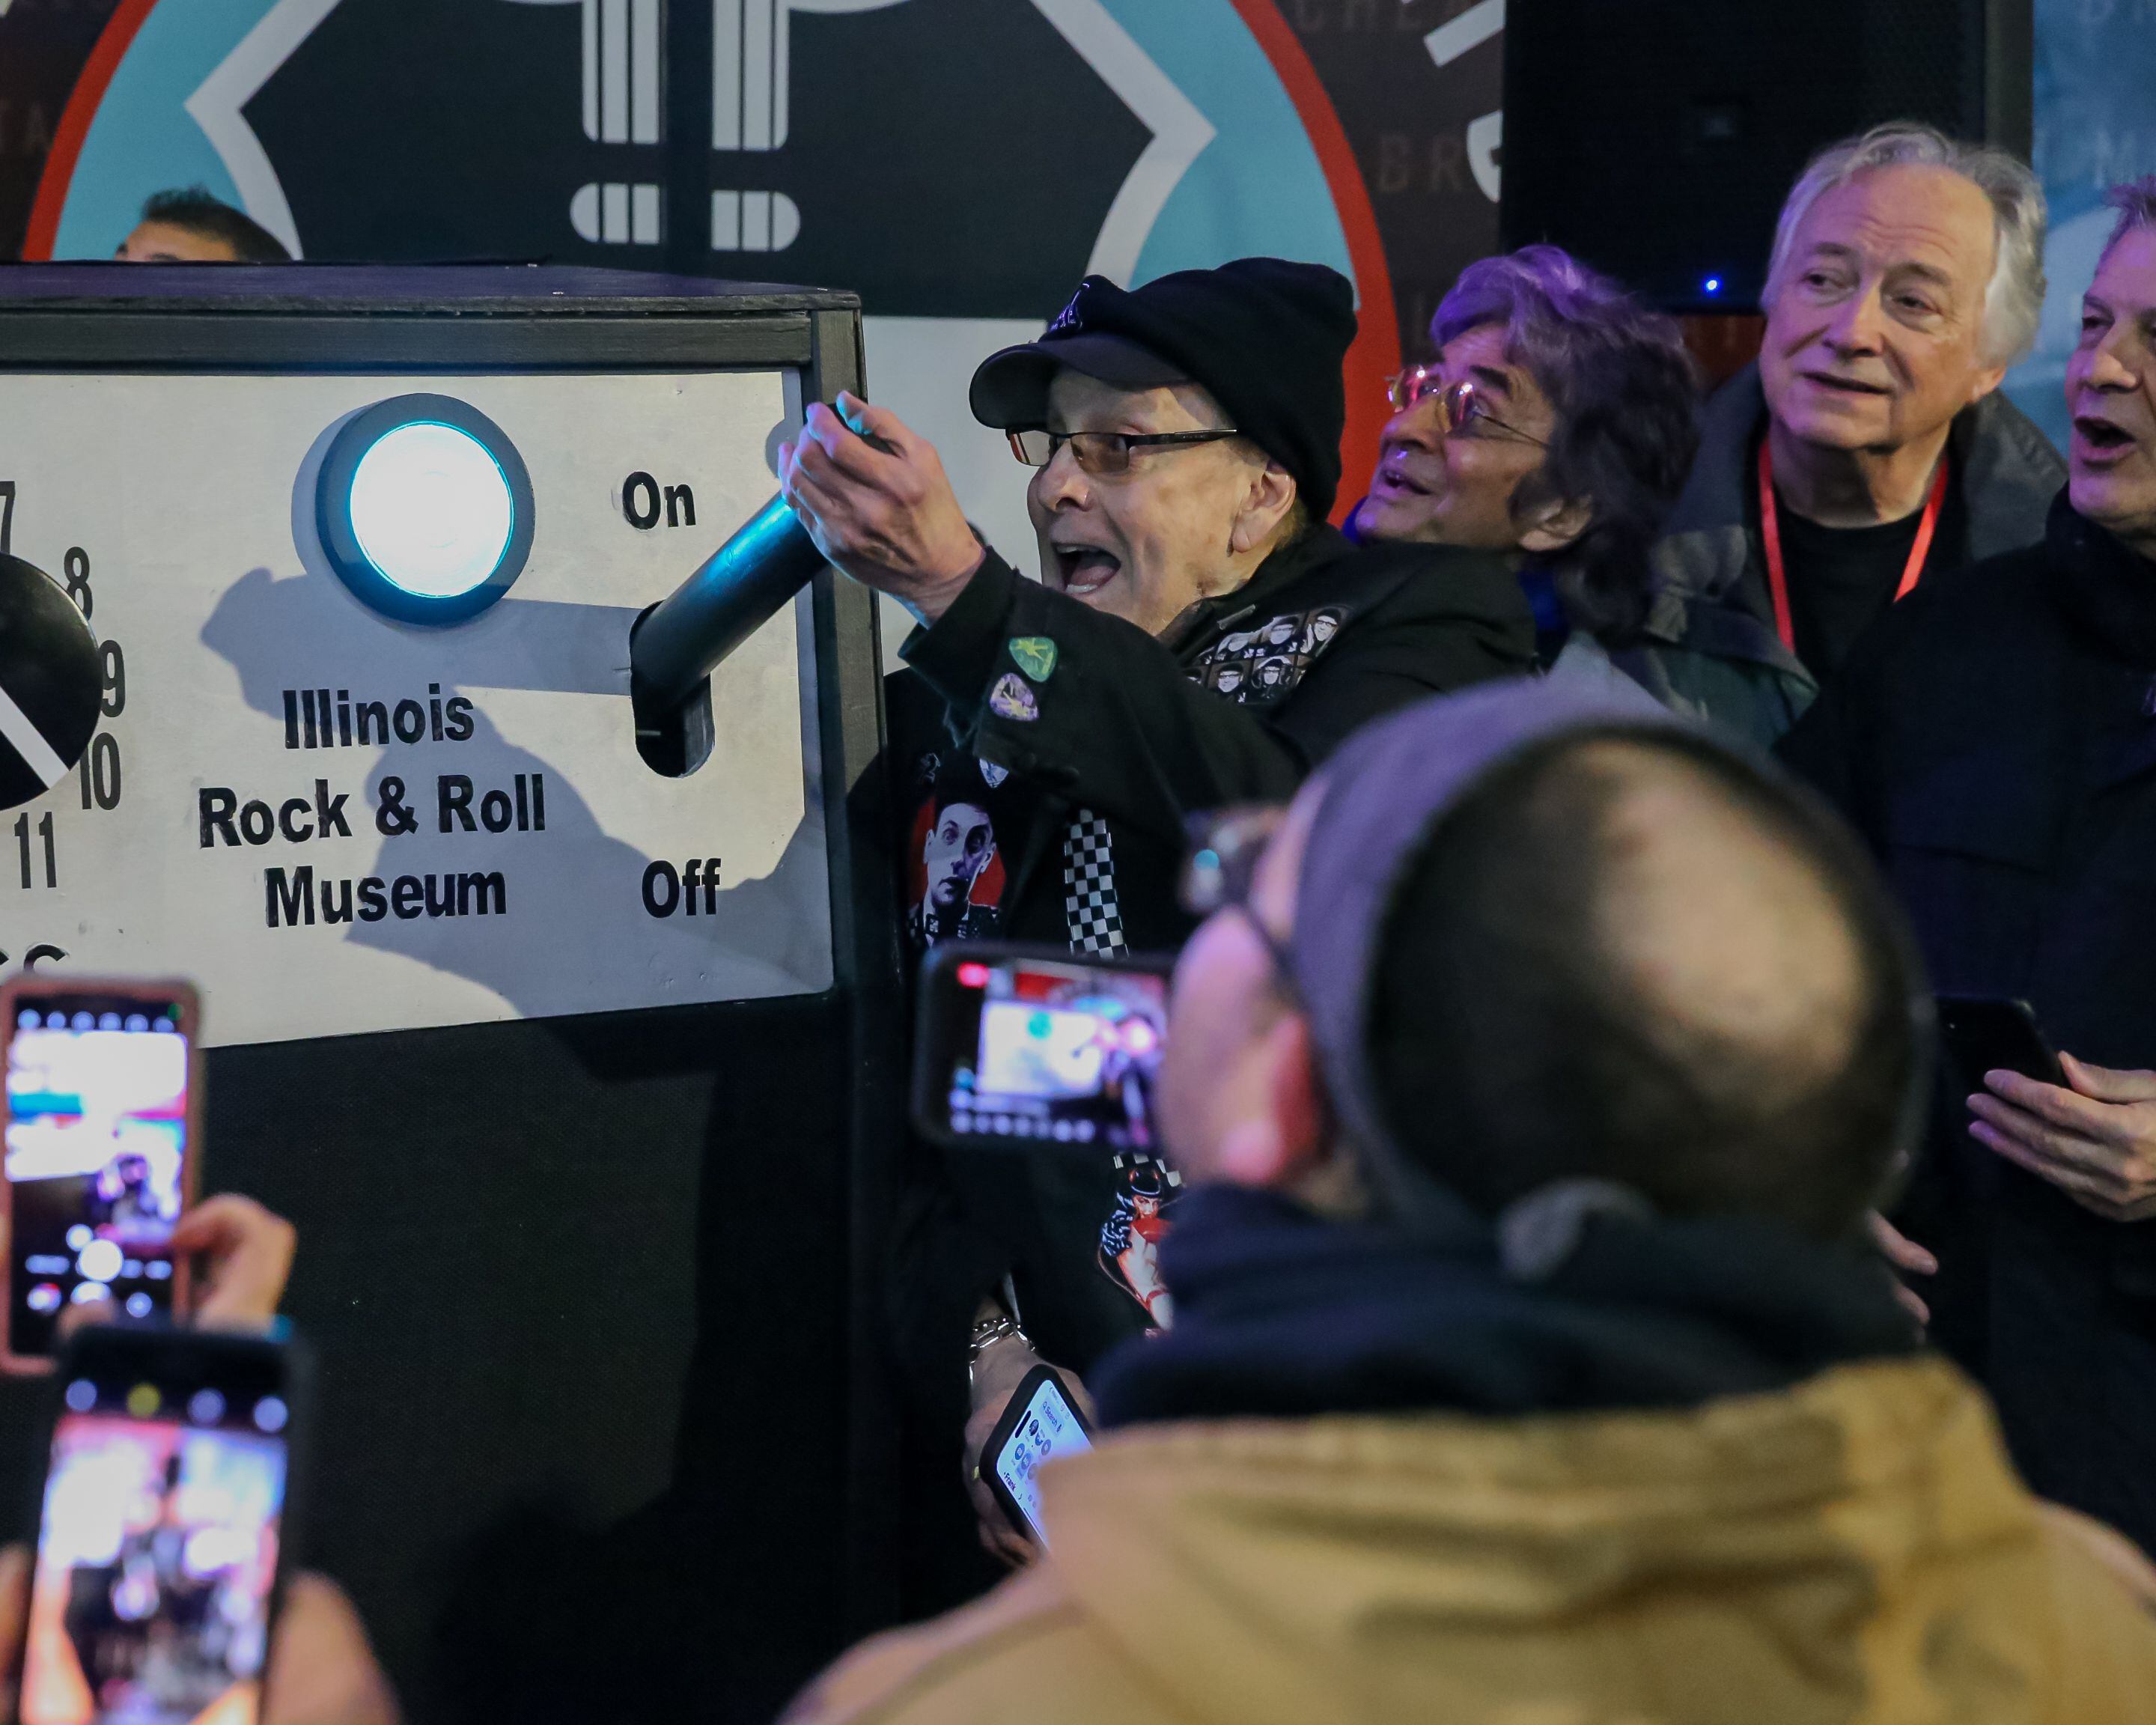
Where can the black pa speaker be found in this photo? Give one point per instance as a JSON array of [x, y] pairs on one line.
[[1655, 139]]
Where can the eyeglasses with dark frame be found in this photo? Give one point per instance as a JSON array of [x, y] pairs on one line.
[[1458, 405], [1101, 453], [1220, 872]]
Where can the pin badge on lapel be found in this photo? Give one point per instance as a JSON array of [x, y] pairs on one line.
[[1035, 655], [1011, 699]]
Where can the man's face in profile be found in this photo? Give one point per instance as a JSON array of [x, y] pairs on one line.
[[1218, 1082], [1436, 486], [959, 847], [2110, 391], [164, 243]]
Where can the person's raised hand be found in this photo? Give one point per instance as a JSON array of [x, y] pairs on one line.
[[1908, 1259], [2095, 1141], [886, 516], [321, 1670], [997, 1374], [243, 1253]]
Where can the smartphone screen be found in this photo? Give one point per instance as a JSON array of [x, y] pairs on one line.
[[96, 1149], [1048, 1427], [1053, 1050], [155, 1578]]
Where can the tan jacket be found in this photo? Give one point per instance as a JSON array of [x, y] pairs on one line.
[[1854, 1552]]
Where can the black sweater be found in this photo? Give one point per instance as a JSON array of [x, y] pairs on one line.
[[1995, 741]]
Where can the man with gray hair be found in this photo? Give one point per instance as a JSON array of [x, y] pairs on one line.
[[1993, 740], [1868, 449]]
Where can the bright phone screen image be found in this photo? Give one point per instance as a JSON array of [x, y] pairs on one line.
[[1047, 1429], [156, 1555], [96, 1144], [1064, 1052]]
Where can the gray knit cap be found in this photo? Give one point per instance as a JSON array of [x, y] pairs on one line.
[[1384, 793]]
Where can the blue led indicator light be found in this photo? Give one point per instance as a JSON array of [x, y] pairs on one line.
[[424, 509]]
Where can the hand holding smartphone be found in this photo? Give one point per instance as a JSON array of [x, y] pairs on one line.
[[1036, 1046], [1038, 1424], [100, 1131], [163, 1529]]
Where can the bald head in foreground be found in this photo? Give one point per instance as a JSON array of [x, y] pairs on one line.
[[1535, 1072]]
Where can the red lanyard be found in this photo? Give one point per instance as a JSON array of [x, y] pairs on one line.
[[1770, 530]]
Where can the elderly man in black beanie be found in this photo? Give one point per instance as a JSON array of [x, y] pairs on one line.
[[1185, 442], [1200, 638]]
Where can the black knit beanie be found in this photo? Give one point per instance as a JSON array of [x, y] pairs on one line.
[[1265, 337]]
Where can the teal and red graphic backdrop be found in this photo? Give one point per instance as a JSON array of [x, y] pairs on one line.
[[959, 162]]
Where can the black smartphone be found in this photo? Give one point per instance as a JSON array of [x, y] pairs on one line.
[[1031, 1045], [101, 1128], [162, 1535], [1986, 1033], [1038, 1424]]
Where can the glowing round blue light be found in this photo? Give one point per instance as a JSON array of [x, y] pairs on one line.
[[424, 509], [1712, 284], [432, 510]]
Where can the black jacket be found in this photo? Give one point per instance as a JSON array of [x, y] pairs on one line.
[[1711, 647], [1994, 739], [1243, 697], [1127, 736]]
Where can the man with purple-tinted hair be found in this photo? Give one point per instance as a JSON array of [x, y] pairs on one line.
[[1869, 448], [1555, 427], [1994, 739]]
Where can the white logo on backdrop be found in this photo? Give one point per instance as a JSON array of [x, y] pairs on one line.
[[624, 79], [1449, 40]]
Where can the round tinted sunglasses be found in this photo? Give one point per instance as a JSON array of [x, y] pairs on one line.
[[1458, 405]]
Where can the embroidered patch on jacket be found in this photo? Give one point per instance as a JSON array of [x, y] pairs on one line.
[[954, 869], [1265, 663], [1147, 1189], [1012, 699], [1035, 655]]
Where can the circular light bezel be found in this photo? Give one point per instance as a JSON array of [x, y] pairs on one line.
[[358, 439]]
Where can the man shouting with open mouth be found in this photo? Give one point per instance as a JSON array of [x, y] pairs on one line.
[[1200, 637]]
